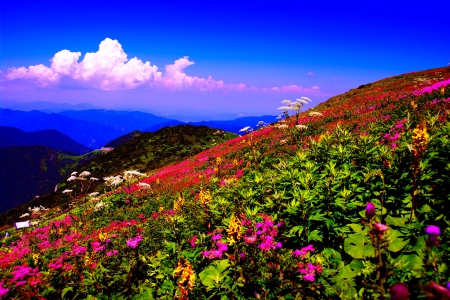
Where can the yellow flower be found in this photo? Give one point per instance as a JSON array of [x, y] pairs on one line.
[[234, 230], [102, 237], [178, 204], [157, 180], [235, 162], [35, 258], [187, 276], [413, 105], [420, 140], [218, 160], [205, 197]]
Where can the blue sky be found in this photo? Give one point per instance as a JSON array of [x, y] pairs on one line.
[[240, 57]]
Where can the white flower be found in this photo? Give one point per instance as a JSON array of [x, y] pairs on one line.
[[282, 126], [93, 194], [286, 102], [133, 173], [301, 127], [85, 174], [315, 114], [93, 179], [34, 223], [71, 178], [67, 191], [35, 210], [144, 185], [74, 173], [24, 215], [245, 129], [99, 206]]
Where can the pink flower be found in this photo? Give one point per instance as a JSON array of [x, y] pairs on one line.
[[303, 252], [193, 240], [112, 253], [134, 242], [98, 246], [3, 291]]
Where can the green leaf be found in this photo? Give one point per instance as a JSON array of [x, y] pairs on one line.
[[356, 227], [395, 221], [212, 275], [358, 246], [66, 290]]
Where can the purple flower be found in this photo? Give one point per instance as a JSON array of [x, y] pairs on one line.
[[399, 291], [278, 246], [243, 256], [216, 237], [134, 242], [433, 230], [303, 252], [433, 233], [98, 246], [370, 210]]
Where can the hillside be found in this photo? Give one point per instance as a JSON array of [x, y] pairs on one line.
[[140, 151], [51, 138], [347, 200]]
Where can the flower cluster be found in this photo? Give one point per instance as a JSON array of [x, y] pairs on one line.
[[134, 242], [394, 134], [234, 230], [309, 271], [420, 140], [221, 247], [187, 276]]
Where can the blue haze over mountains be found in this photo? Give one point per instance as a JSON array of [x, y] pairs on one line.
[[94, 128]]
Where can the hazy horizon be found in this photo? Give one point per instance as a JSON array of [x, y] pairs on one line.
[[211, 59]]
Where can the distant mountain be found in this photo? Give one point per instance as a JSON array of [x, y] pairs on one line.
[[125, 121], [233, 126], [91, 134], [123, 139], [44, 106], [29, 171], [237, 124], [54, 139], [162, 125]]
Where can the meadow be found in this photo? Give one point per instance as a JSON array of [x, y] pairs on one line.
[[348, 200]]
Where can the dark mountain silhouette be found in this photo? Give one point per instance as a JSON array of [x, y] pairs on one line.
[[233, 126], [29, 171], [51, 138]]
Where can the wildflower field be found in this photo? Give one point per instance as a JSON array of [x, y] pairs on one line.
[[348, 200]]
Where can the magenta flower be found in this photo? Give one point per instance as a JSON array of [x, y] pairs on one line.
[[76, 250], [370, 210], [98, 246], [216, 237], [433, 233], [112, 253], [134, 242], [433, 230], [399, 291], [303, 252], [193, 240], [3, 291], [243, 256]]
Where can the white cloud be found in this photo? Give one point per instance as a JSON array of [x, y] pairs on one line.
[[110, 69]]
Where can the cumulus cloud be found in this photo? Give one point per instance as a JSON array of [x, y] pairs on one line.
[[110, 69]]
